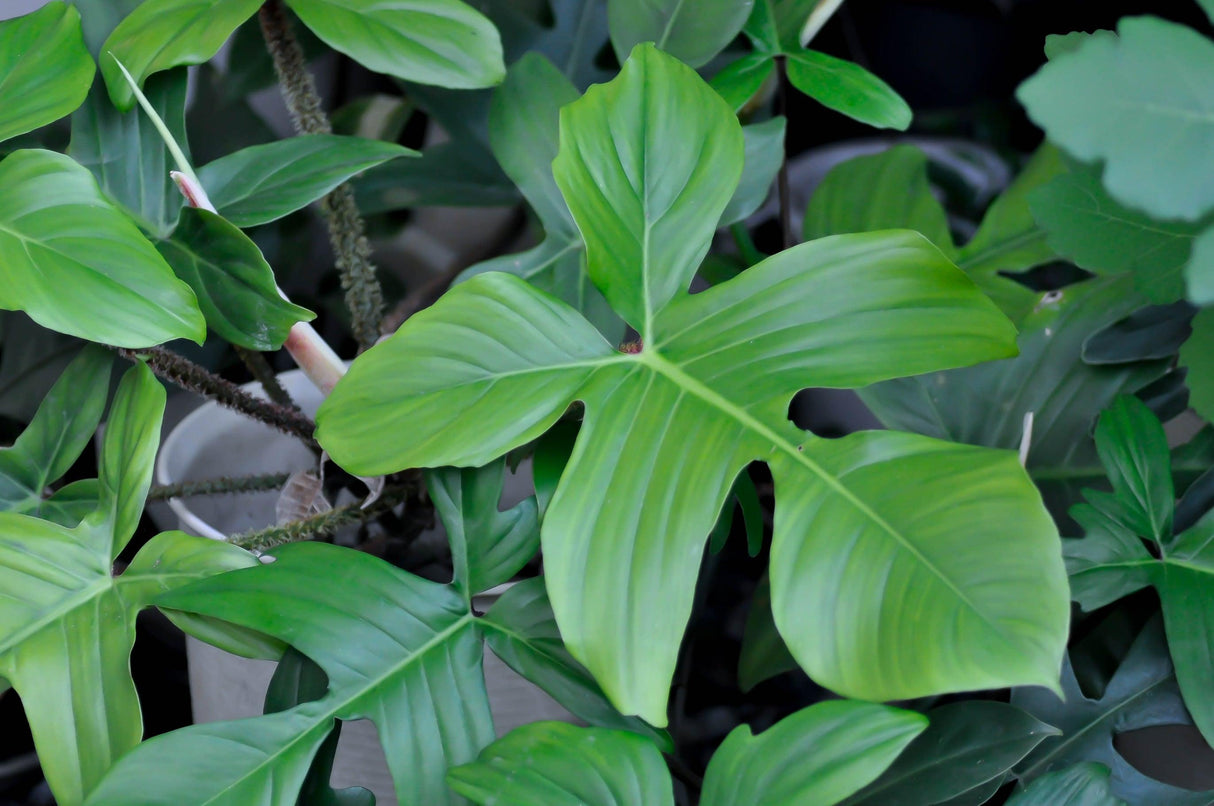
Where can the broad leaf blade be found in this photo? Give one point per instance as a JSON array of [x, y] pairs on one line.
[[1081, 785], [77, 265], [161, 34], [263, 183], [1134, 451], [1116, 98], [848, 88], [646, 206], [763, 156], [691, 32], [965, 745], [561, 765], [47, 70], [820, 754], [441, 42], [233, 283]]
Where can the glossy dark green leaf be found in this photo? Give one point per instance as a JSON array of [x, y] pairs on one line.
[[552, 452], [99, 18], [1134, 451], [738, 82], [1197, 355], [488, 546], [752, 513], [234, 284], [59, 432], [47, 70], [1141, 694], [820, 754], [521, 630], [848, 88], [1117, 98], [1148, 334], [263, 183], [691, 32], [67, 626], [442, 42], [562, 765], [1088, 226], [764, 654], [126, 153], [409, 660], [1081, 785], [966, 744], [160, 34], [495, 363], [77, 265]]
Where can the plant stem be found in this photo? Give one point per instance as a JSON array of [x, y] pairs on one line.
[[322, 525], [684, 773], [219, 486], [782, 180], [264, 374], [364, 296], [185, 373]]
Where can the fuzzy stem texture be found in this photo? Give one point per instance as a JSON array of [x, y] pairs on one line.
[[264, 374], [364, 296], [321, 525], [219, 486]]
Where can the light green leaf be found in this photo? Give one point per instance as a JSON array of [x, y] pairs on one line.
[[488, 546], [763, 145], [441, 42], [646, 206], [562, 765], [99, 18], [521, 630], [738, 82], [691, 32], [1199, 273], [847, 88], [77, 265], [160, 34], [1142, 693], [409, 660], [889, 190], [1088, 226], [47, 70], [965, 745], [60, 431], [1081, 785], [234, 284], [495, 362], [126, 154], [1134, 451], [1197, 356], [1117, 98], [263, 183], [821, 754]]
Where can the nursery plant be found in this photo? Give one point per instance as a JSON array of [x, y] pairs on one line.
[[916, 574]]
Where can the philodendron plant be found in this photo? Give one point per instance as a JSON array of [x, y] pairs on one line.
[[902, 565]]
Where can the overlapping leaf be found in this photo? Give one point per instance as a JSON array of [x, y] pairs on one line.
[[1142, 693], [45, 67], [1081, 785], [77, 265], [1112, 561], [835, 83], [647, 162], [692, 33], [67, 626]]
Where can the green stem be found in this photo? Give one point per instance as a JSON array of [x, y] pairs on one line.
[[746, 244], [219, 486]]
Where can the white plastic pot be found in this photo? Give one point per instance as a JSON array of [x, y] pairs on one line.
[[212, 441]]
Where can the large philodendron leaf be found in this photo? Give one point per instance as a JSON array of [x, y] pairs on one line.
[[1112, 561], [58, 434], [557, 764], [45, 66], [442, 42], [67, 625], [1141, 694], [160, 34], [1117, 98], [691, 32], [77, 265], [670, 423], [409, 659], [263, 183], [820, 754], [1081, 785], [234, 285]]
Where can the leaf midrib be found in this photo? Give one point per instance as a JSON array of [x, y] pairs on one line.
[[691, 385]]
